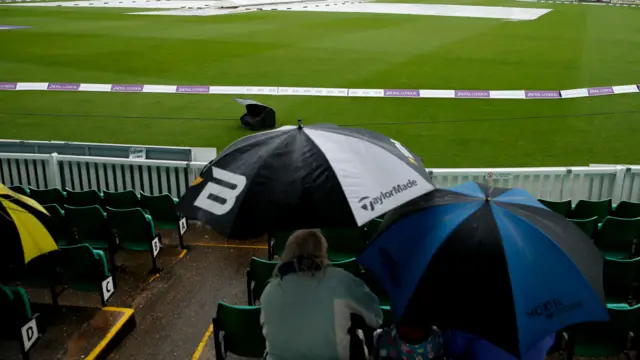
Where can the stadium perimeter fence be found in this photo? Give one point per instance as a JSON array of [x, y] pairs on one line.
[[618, 182]]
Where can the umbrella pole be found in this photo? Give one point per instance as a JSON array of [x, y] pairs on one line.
[[52, 277], [249, 276], [54, 295]]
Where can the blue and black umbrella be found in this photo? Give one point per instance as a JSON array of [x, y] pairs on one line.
[[490, 261]]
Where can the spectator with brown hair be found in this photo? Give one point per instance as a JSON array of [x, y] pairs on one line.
[[307, 306]]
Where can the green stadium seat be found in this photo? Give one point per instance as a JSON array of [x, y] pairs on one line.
[[345, 243], [588, 226], [261, 271], [387, 316], [48, 196], [20, 190], [90, 226], [42, 272], [77, 267], [277, 242], [84, 269], [561, 207], [59, 229], [16, 314], [127, 199], [606, 339], [586, 209], [162, 209], [258, 275], [350, 266], [15, 309], [83, 198], [342, 243], [134, 230], [237, 330], [621, 278], [616, 237], [627, 210]]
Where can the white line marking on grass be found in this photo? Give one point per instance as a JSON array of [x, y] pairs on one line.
[[317, 91], [637, 4]]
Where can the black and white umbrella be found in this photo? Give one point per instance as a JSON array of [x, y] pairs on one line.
[[298, 177]]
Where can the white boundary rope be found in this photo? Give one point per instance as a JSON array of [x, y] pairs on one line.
[[317, 91], [624, 4]]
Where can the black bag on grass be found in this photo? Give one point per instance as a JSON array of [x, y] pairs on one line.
[[258, 116]]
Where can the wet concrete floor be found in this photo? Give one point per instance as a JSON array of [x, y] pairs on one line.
[[173, 310], [174, 313]]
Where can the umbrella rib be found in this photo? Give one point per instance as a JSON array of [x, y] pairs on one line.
[[500, 203], [537, 228], [257, 168], [7, 217], [19, 206]]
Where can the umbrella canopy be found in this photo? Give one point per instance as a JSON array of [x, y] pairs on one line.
[[489, 261], [23, 236], [304, 177]]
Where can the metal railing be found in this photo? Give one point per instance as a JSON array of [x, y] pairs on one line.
[[631, 184], [552, 183], [88, 172], [113, 174], [26, 169], [171, 153], [619, 182]]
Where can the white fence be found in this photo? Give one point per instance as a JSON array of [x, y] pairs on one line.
[[88, 172], [554, 183], [618, 182]]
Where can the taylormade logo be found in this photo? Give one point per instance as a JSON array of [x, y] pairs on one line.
[[369, 203]]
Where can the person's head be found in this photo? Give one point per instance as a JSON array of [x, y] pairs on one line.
[[307, 249], [413, 335]]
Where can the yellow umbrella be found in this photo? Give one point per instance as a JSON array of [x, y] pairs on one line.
[[21, 228]]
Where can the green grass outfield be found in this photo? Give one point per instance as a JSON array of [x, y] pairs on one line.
[[573, 46]]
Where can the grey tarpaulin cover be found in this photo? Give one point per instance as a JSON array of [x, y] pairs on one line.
[[258, 116]]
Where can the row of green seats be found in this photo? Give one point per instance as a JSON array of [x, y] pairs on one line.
[[621, 280], [615, 229], [237, 330], [77, 267], [615, 237], [18, 322], [607, 339], [162, 208], [260, 271], [587, 209], [114, 199], [131, 229], [343, 243]]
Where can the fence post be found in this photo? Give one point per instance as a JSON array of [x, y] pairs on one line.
[[188, 171], [566, 179], [430, 172], [54, 171], [618, 185]]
